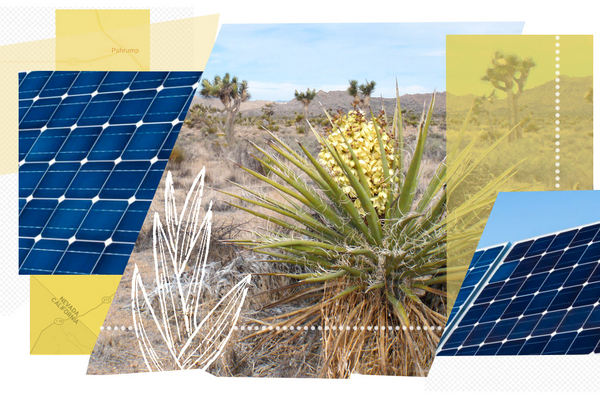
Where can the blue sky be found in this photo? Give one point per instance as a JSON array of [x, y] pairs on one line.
[[519, 216], [277, 59]]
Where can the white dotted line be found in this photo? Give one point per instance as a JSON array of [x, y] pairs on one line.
[[334, 328], [116, 328], [557, 114], [305, 328]]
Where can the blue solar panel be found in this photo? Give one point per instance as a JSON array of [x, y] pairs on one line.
[[92, 149], [481, 264], [542, 298]]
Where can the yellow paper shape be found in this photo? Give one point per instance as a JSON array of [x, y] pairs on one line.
[[86, 40], [181, 45], [67, 312], [550, 147], [103, 40], [37, 55]]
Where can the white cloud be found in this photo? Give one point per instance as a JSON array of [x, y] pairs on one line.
[[271, 91], [329, 88], [436, 53]]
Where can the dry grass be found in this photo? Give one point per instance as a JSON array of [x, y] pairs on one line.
[[366, 336], [286, 352]]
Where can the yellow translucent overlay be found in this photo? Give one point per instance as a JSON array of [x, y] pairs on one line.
[[67, 311], [522, 105], [181, 45]]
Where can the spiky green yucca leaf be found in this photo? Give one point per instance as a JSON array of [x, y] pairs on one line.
[[350, 236], [348, 231]]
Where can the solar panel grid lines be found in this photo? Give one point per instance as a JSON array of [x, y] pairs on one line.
[[543, 297], [480, 264], [88, 169]]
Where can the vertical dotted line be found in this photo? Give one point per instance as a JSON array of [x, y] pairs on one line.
[[557, 113]]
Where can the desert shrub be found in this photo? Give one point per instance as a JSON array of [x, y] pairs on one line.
[[177, 156]]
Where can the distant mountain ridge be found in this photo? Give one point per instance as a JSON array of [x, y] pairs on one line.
[[541, 98], [334, 100]]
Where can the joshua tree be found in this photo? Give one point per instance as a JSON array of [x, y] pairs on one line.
[[231, 92], [507, 71], [485, 105], [366, 90], [589, 96], [305, 98], [353, 90]]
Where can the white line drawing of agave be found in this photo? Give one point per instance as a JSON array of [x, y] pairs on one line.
[[178, 317]]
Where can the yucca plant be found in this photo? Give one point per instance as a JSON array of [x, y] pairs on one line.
[[372, 245]]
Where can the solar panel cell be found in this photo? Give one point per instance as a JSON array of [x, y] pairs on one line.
[[532, 284], [562, 240], [168, 104], [560, 343], [86, 82], [151, 80], [78, 143], [585, 342], [100, 109], [592, 253], [65, 220], [510, 288], [79, 258], [594, 319], [534, 346], [570, 257], [517, 306], [518, 251], [575, 319], [540, 302], [146, 142], [504, 271], [133, 107], [487, 349], [34, 217], [117, 81], [45, 146], [101, 220], [150, 183], [113, 256], [111, 143], [555, 279], [548, 323], [489, 292], [502, 329], [585, 235], [539, 246], [595, 277], [589, 295], [43, 257], [511, 347], [37, 116], [525, 267], [547, 262], [31, 85], [523, 327]]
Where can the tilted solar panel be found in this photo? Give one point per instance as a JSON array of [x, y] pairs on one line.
[[482, 262], [542, 298], [92, 149]]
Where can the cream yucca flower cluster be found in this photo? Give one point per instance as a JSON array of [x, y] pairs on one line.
[[353, 129]]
